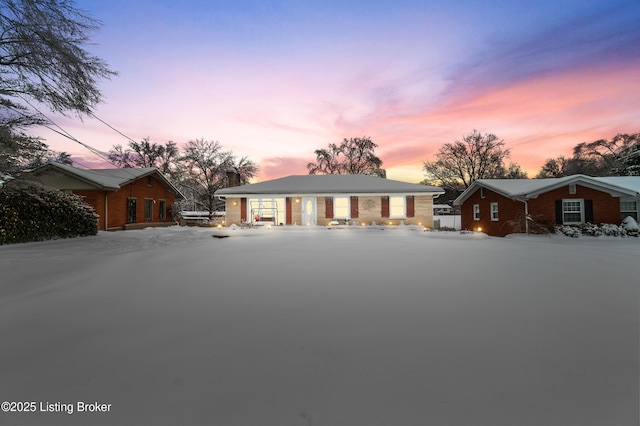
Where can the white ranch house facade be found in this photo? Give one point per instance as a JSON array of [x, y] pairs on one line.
[[330, 199]]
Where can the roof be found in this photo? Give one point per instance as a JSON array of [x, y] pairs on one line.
[[110, 179], [524, 189], [329, 184]]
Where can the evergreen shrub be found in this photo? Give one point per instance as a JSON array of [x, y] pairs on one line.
[[33, 212]]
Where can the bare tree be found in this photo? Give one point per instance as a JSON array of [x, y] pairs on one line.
[[43, 57], [352, 156], [206, 165], [147, 154], [20, 152], [619, 156], [464, 161]]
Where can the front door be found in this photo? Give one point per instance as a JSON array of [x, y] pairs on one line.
[[308, 210], [131, 210]]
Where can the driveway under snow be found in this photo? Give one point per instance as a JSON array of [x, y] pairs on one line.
[[320, 326]]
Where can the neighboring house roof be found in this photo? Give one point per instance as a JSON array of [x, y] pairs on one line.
[[109, 179], [441, 206], [329, 184], [524, 189]]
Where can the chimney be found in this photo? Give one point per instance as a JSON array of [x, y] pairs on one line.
[[233, 177]]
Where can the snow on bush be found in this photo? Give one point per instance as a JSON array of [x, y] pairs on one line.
[[33, 212], [569, 231], [612, 230], [628, 228], [590, 229]]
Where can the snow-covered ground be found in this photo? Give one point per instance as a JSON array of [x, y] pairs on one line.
[[321, 326]]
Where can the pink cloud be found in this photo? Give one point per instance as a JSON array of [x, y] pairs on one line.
[[277, 167]]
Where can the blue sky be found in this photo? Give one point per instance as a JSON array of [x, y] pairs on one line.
[[276, 80]]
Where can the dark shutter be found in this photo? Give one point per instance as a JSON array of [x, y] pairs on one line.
[[354, 206], [559, 212], [288, 213], [243, 209], [588, 211], [328, 207], [411, 212], [385, 206]]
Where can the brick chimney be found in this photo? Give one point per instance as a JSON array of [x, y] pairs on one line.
[[233, 177]]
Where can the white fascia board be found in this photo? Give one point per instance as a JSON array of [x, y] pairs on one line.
[[586, 181], [327, 194]]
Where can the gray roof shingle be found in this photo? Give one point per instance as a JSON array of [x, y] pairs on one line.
[[330, 184]]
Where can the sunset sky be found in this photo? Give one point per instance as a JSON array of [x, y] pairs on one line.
[[276, 80]]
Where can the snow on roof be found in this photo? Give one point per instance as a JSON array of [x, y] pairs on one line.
[[329, 184], [112, 179], [530, 188], [629, 182]]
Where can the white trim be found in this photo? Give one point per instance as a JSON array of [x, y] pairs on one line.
[[404, 207], [476, 212], [497, 213], [573, 200]]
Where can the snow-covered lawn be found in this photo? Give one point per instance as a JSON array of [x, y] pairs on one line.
[[321, 326]]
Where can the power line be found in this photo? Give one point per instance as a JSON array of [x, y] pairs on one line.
[[110, 126]]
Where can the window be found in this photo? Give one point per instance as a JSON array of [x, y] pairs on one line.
[[572, 188], [162, 213], [267, 209], [341, 207], [494, 211], [148, 210], [628, 208], [149, 181], [482, 194], [476, 212], [397, 207], [572, 211]]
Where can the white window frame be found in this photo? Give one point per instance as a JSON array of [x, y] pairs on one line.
[[476, 212], [572, 188], [337, 210], [627, 212], [494, 212], [482, 194], [564, 212], [399, 209]]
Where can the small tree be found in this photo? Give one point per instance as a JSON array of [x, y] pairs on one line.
[[352, 156], [475, 157]]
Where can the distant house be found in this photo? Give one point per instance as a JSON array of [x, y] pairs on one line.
[[440, 209], [330, 199], [122, 198], [493, 206]]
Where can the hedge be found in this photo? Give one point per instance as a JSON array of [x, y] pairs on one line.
[[33, 212]]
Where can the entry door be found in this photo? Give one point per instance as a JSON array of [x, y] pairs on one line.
[[308, 210], [131, 210]]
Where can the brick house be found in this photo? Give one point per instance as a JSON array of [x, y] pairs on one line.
[[122, 198], [498, 206], [330, 199]]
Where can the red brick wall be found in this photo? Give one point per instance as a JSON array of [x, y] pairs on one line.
[[117, 202], [606, 209], [96, 200], [508, 210]]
